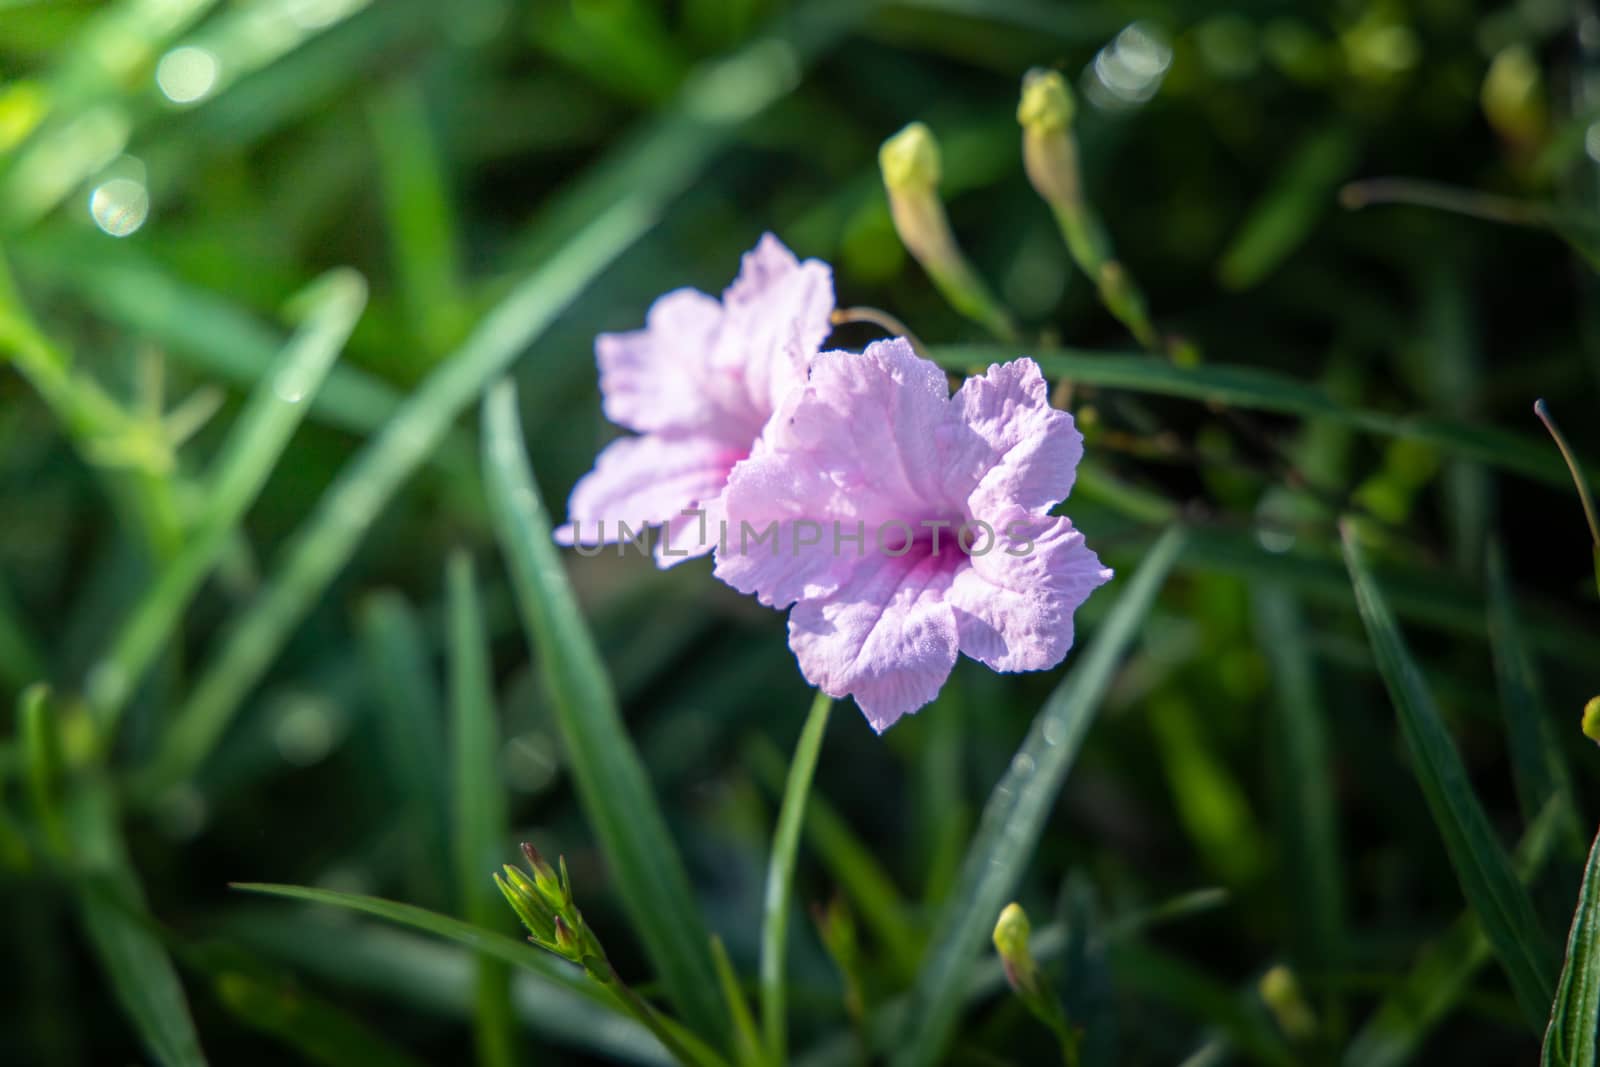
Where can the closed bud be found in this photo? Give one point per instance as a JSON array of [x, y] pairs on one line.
[[1011, 942], [1281, 992], [1591, 720], [910, 160], [1047, 102], [531, 907], [549, 884]]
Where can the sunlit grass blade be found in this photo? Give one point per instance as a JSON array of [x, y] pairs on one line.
[[780, 881], [1306, 805], [1538, 767], [1481, 865], [248, 456], [1263, 390], [1444, 971], [112, 906], [484, 942], [849, 862], [411, 731], [611, 780], [1298, 197], [1015, 815], [479, 806], [1570, 1040]]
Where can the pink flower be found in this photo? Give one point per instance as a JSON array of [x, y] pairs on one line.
[[698, 384], [863, 488]]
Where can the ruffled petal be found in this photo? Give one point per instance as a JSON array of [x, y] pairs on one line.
[[650, 378], [886, 637], [1014, 611], [869, 423], [648, 481], [777, 314], [1007, 445]]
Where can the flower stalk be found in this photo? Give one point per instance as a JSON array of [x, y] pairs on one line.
[[1050, 156], [1589, 511], [1029, 981], [545, 905], [911, 168]]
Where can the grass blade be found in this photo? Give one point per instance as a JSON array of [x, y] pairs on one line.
[[1570, 1039], [479, 807], [1263, 390], [780, 880], [610, 778], [746, 1038], [1481, 865], [1015, 815], [112, 907], [314, 1028], [484, 942], [253, 447]]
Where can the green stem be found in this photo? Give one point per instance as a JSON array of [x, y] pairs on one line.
[[780, 879], [1578, 479], [653, 1021]]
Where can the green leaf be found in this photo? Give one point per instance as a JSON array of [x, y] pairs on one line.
[[611, 780], [1264, 390], [1015, 815], [249, 455], [780, 881], [1570, 1039], [112, 907], [1481, 865], [479, 807], [746, 1038], [1296, 200], [484, 942], [42, 754], [1444, 970]]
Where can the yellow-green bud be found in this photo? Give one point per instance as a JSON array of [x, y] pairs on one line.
[[1281, 992], [910, 159], [1011, 942], [1591, 720], [1047, 102]]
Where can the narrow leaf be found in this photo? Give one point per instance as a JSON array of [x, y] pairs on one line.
[[1481, 865], [479, 807], [1570, 1040], [780, 880], [1015, 815], [610, 777]]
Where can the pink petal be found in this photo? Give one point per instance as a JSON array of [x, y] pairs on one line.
[[1009, 446], [869, 424], [886, 637], [1014, 613], [648, 480], [777, 316], [650, 378], [772, 490]]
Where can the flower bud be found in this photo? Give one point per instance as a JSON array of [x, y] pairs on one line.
[[909, 162], [529, 904], [1281, 992], [1011, 942], [1047, 101], [1591, 720]]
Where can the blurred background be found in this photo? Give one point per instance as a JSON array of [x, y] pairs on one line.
[[175, 174]]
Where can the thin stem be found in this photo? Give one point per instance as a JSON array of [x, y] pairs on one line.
[[1357, 195], [652, 1020], [780, 879], [883, 320], [1578, 479]]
